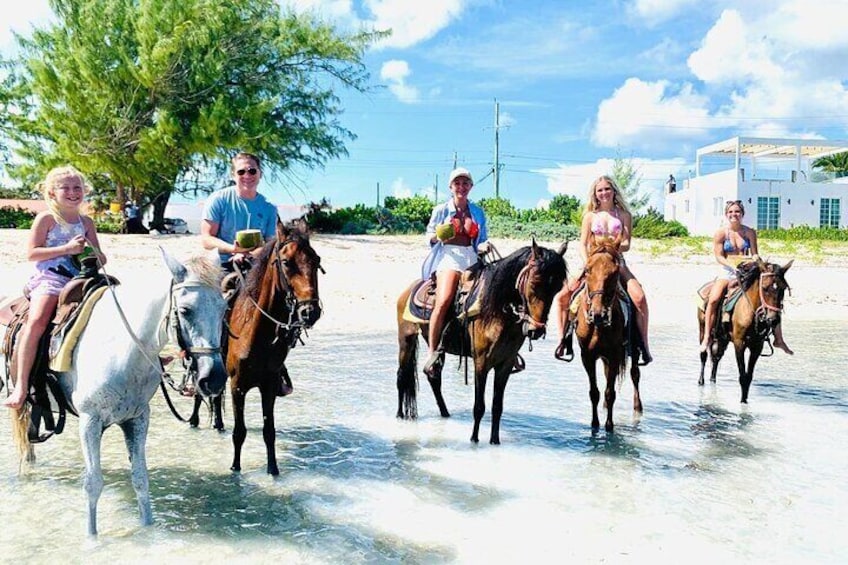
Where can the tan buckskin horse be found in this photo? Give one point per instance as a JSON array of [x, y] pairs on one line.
[[603, 329], [752, 320], [516, 296]]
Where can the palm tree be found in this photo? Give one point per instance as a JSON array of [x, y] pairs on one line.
[[836, 164]]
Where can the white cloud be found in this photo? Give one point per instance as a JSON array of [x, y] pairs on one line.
[[575, 180], [658, 11], [639, 112], [755, 72], [400, 189], [21, 19], [395, 72], [412, 22]]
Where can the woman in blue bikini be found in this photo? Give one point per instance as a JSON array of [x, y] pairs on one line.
[[606, 216], [732, 245]]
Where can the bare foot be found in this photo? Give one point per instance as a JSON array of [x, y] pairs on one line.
[[782, 345]]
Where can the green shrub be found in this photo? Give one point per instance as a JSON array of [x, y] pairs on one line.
[[545, 231], [805, 233], [652, 225], [497, 208], [415, 210], [16, 217]]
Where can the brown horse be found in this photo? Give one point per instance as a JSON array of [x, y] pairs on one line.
[[278, 302], [604, 331], [752, 320], [516, 294]]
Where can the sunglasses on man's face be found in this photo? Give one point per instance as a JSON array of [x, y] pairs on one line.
[[251, 171]]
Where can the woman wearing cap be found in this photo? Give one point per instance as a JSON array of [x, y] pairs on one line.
[[456, 234], [733, 244]]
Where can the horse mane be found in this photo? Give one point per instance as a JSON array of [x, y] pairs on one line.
[[257, 271], [749, 272], [500, 276], [206, 269]]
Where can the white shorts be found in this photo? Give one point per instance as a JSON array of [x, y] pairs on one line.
[[727, 273], [456, 258]]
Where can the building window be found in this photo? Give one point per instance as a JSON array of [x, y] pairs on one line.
[[829, 213], [768, 212], [718, 207], [686, 206]]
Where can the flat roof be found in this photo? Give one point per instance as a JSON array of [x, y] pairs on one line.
[[778, 147]]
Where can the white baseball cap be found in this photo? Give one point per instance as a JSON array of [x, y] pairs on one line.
[[460, 172]]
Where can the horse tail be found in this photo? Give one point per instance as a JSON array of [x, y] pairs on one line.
[[20, 433], [407, 373]]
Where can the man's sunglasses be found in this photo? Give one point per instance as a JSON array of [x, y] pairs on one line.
[[251, 171]]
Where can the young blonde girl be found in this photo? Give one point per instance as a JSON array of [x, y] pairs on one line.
[[56, 235]]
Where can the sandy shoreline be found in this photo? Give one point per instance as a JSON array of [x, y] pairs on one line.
[[365, 274]]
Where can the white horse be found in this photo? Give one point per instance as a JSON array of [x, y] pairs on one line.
[[116, 368]]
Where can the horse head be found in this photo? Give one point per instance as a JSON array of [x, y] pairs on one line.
[[298, 265], [195, 318], [537, 284], [772, 286], [602, 279]]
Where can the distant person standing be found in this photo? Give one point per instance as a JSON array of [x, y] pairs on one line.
[[671, 184], [236, 208], [133, 218]]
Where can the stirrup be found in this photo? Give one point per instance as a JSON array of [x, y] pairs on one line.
[[565, 349], [518, 364]]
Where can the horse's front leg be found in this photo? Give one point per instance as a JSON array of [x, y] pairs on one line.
[[135, 437], [744, 379], [590, 366], [480, 371], [269, 431], [194, 419], [755, 350], [91, 433], [611, 370], [239, 429], [502, 373]]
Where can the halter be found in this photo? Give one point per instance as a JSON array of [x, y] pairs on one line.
[[765, 305], [607, 309]]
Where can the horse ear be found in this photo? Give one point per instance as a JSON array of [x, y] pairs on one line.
[[563, 248], [177, 269], [534, 249], [786, 266], [282, 229]]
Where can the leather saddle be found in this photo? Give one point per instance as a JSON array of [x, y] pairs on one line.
[[72, 311], [727, 303], [419, 305]]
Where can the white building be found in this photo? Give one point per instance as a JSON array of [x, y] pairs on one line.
[[192, 212], [773, 178]]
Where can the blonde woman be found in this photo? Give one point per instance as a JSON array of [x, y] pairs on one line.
[[607, 216], [56, 235], [732, 244]]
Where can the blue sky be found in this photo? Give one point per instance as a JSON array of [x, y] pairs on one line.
[[577, 83]]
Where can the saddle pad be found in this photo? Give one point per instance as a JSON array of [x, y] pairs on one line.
[[419, 305], [62, 345], [469, 300], [734, 291], [9, 307]]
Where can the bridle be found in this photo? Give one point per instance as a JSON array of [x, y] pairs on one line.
[[607, 305], [522, 312], [293, 325]]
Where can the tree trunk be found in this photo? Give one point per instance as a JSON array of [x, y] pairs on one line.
[[159, 204]]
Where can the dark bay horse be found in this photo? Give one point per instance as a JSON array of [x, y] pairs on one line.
[[752, 320], [516, 296], [604, 332], [279, 301]]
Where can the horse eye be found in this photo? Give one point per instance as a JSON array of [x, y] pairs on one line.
[[185, 311]]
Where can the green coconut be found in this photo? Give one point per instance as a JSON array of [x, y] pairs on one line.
[[445, 231], [248, 239]]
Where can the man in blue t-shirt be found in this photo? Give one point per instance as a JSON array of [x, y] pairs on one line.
[[236, 208]]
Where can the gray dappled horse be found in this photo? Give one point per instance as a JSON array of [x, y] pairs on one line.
[[116, 370]]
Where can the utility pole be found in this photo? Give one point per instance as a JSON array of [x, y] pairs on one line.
[[454, 159], [436, 187], [495, 172], [378, 195]]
